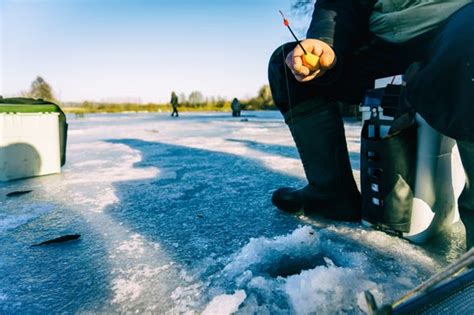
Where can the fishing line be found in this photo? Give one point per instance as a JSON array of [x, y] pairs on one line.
[[309, 60], [287, 82], [287, 24]]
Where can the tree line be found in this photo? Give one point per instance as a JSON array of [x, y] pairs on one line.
[[40, 89], [195, 101]]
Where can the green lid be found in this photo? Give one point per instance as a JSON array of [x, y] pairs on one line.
[[27, 105]]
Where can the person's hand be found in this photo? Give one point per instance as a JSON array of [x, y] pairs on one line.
[[327, 60]]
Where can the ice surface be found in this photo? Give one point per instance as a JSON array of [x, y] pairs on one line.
[[175, 217]]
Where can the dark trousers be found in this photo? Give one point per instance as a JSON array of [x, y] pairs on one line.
[[350, 78], [442, 91], [175, 112]]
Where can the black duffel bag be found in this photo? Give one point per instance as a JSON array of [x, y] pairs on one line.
[[388, 167]]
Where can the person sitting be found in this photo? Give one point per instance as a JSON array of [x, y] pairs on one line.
[[236, 107], [358, 41]]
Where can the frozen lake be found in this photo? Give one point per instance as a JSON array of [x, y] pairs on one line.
[[175, 217]]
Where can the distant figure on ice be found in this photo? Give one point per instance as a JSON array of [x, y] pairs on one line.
[[174, 104], [357, 42], [236, 107]]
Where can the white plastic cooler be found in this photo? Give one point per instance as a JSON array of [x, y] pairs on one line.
[[29, 145]]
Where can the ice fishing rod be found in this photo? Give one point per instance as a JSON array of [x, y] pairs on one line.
[[310, 60], [463, 262]]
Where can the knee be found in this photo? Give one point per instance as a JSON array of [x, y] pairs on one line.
[[276, 65], [279, 76], [278, 56], [460, 25], [451, 46]]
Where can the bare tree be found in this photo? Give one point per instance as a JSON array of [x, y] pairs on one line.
[[195, 97], [41, 89], [265, 95], [182, 97], [303, 6]]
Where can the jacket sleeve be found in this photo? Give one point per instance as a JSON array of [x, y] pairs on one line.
[[341, 23]]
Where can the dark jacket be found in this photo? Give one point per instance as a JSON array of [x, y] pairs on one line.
[[442, 91], [174, 100], [343, 24]]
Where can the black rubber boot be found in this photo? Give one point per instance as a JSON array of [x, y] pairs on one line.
[[466, 200], [318, 132]]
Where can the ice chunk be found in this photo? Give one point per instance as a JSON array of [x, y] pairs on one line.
[[225, 303], [324, 290]]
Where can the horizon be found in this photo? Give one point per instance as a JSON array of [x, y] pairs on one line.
[[140, 51]]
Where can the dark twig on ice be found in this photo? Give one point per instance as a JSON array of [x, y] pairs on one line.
[[18, 193], [62, 239]]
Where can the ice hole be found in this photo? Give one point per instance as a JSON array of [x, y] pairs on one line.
[[290, 265]]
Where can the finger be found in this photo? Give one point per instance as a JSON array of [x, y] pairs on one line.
[[289, 60], [296, 65], [300, 78], [308, 77], [301, 71], [296, 61], [327, 59], [298, 52], [317, 50]]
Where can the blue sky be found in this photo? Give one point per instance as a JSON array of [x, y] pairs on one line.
[[140, 50]]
